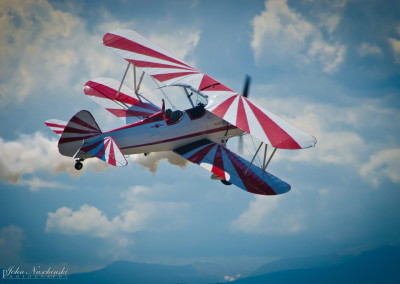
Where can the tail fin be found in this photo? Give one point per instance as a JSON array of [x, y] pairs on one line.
[[56, 125], [80, 127]]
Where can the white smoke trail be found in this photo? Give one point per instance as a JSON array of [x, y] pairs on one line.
[[30, 154], [152, 160]]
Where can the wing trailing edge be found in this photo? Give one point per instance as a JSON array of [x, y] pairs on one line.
[[124, 106]]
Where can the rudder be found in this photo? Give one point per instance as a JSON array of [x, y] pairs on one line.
[[79, 128]]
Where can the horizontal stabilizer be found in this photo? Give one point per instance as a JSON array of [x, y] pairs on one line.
[[56, 125], [107, 150], [232, 168], [126, 106]]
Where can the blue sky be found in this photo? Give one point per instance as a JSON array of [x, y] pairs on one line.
[[330, 67]]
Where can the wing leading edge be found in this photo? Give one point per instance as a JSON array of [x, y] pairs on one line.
[[221, 161], [223, 102]]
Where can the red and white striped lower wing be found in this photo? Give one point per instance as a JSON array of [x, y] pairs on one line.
[[56, 125], [148, 56], [104, 91], [107, 150], [233, 168]]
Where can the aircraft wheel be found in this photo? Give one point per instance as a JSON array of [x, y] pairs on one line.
[[225, 182], [78, 165]]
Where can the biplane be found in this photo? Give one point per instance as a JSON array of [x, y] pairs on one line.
[[198, 134]]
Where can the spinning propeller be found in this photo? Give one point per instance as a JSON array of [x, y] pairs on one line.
[[245, 94]]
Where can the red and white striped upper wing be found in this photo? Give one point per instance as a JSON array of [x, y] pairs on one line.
[[104, 90], [223, 102], [259, 122], [146, 55]]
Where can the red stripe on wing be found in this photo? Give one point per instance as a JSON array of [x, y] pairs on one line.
[[209, 84], [169, 76], [276, 135], [251, 181], [119, 42], [147, 64], [241, 119], [222, 108], [199, 156], [102, 91]]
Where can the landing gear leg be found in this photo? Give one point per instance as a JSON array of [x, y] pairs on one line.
[[78, 164]]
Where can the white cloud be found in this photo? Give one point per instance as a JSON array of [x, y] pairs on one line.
[[383, 164], [32, 154], [188, 40], [369, 49], [140, 211], [396, 48], [87, 220], [266, 215], [45, 49], [279, 33]]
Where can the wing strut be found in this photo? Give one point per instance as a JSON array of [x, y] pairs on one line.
[[270, 158], [252, 160], [188, 96], [123, 78], [136, 86]]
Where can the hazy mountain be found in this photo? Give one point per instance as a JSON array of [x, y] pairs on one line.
[[132, 272], [377, 266], [301, 263]]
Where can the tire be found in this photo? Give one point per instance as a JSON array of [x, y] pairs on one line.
[[78, 166], [225, 182]]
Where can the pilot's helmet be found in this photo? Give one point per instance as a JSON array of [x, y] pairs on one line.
[[168, 112]]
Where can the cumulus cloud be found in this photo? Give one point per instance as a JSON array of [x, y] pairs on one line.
[[87, 220], [383, 164], [265, 215], [140, 211], [49, 49], [280, 35], [32, 154]]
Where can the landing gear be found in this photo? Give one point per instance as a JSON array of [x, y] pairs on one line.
[[78, 164], [225, 182]]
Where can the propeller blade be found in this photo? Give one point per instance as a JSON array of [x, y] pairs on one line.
[[246, 86], [240, 144]]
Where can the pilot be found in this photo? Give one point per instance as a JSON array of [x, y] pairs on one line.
[[166, 113]]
